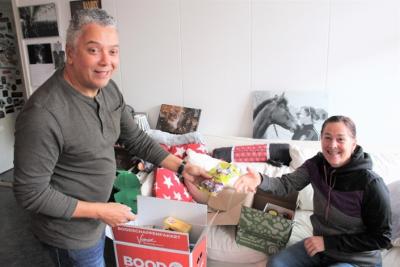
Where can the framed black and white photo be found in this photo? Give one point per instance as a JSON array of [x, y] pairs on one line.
[[38, 20], [289, 115], [58, 55], [41, 65], [40, 54]]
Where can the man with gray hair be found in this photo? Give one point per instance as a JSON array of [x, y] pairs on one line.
[[64, 146]]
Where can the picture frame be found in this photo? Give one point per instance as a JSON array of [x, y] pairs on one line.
[[38, 20], [289, 115], [178, 119], [75, 6]]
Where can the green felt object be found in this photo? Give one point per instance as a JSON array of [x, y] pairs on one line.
[[128, 197], [126, 179], [129, 188]]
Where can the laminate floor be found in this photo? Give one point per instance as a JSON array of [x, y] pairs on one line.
[[19, 247]]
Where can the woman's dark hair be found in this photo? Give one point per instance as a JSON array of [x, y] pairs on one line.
[[345, 120]]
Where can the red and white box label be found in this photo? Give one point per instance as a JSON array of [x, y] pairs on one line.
[[139, 246]]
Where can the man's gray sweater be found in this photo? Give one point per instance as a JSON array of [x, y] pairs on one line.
[[64, 153]]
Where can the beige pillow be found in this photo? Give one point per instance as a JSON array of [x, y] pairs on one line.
[[147, 181], [202, 160], [222, 246]]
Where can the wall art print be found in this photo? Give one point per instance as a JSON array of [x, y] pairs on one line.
[[289, 115], [41, 65], [84, 4], [40, 53], [8, 44], [58, 55], [38, 20], [177, 119]]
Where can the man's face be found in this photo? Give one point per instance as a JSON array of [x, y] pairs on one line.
[[93, 59], [337, 144]]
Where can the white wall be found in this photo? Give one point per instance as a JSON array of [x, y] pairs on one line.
[[211, 54]]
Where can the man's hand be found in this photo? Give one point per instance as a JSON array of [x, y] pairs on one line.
[[314, 244], [110, 213], [191, 172], [194, 173], [115, 214], [248, 182]]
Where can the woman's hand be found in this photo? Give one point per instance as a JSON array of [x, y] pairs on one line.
[[314, 244], [248, 182]]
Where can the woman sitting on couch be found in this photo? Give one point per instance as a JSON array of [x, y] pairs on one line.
[[352, 215]]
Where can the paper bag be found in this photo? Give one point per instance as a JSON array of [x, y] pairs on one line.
[[225, 207]]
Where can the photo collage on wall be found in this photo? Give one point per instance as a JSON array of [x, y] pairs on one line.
[[11, 90], [38, 22], [289, 115], [177, 119]]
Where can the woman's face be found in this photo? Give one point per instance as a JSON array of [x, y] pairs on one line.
[[337, 144]]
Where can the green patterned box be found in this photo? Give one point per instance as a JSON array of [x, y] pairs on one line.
[[262, 231]]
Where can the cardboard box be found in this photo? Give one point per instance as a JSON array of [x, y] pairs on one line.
[[261, 198], [138, 245]]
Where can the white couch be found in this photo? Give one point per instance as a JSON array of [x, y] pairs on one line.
[[222, 248]]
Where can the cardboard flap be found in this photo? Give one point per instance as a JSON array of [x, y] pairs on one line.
[[230, 217], [152, 211]]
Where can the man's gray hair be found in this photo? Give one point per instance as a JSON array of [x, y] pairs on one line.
[[86, 16]]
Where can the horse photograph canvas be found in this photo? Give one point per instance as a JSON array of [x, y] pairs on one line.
[[290, 115]]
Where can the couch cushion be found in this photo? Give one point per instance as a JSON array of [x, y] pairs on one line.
[[278, 152], [302, 227], [167, 185], [221, 246], [202, 160], [386, 164], [299, 156], [181, 150], [147, 181]]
